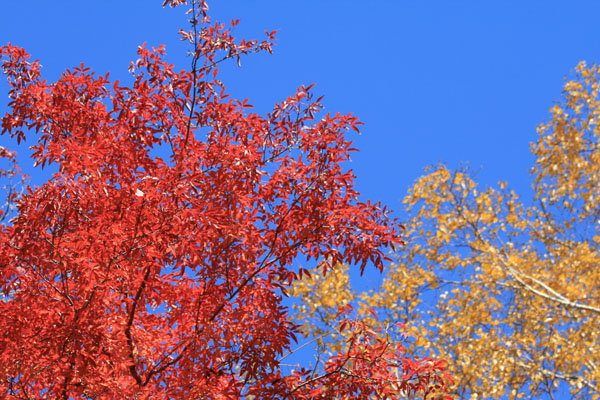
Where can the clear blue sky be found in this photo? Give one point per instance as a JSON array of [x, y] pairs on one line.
[[451, 81], [432, 80]]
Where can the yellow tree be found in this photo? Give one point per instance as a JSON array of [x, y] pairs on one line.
[[507, 290]]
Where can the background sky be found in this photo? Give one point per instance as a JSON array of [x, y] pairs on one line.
[[433, 81]]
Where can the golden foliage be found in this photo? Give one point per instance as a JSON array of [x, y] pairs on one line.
[[508, 292], [322, 295]]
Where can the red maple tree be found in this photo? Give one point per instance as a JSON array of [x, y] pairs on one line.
[[154, 262]]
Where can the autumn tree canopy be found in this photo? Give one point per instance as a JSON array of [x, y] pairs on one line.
[[154, 262], [507, 290]]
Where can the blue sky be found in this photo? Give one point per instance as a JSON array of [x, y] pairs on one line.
[[432, 80], [450, 81]]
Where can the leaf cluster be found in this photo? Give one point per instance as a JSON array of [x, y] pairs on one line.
[[507, 291], [154, 262]]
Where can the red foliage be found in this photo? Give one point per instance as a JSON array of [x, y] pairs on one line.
[[153, 263]]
